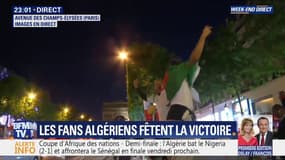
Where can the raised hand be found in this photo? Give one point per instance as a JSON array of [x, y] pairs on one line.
[[197, 51], [207, 31]]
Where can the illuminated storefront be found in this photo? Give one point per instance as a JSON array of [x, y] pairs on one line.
[[256, 102]]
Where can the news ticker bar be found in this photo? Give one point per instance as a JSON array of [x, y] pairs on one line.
[[122, 147], [130, 147]]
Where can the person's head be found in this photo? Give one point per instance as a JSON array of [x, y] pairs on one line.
[[278, 110], [120, 118], [175, 61], [157, 85], [282, 94], [282, 112], [282, 97], [246, 126], [263, 124]]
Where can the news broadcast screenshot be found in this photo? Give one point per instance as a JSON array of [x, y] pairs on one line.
[[142, 80]]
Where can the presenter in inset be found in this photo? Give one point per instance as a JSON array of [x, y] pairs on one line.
[[264, 137], [246, 138]]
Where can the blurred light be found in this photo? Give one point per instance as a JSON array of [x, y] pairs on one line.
[[90, 119], [267, 100], [227, 109], [123, 55], [37, 109], [31, 96], [4, 101], [82, 116], [66, 110]]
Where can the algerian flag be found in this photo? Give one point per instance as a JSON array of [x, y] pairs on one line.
[[177, 74]]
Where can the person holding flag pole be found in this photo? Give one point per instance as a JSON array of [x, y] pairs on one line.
[[176, 89], [178, 83]]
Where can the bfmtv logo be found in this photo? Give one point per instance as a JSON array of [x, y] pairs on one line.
[[24, 129]]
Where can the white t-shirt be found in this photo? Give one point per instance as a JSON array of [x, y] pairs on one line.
[[161, 105], [147, 103], [184, 96], [260, 137]]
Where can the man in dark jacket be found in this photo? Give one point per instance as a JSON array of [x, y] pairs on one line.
[[281, 128], [264, 136]]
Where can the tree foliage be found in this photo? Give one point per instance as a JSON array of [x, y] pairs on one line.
[[244, 54], [147, 63], [14, 100]]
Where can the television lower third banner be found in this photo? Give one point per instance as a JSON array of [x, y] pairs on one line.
[[278, 147], [154, 138], [126, 130]]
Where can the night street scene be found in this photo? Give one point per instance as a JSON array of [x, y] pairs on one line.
[[145, 61]]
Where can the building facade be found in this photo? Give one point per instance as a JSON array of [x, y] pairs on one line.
[[258, 101]]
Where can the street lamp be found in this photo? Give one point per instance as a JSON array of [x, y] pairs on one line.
[[82, 116], [123, 56], [3, 101], [65, 110], [29, 102], [31, 96]]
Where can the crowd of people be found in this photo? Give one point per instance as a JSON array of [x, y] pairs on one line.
[[278, 111]]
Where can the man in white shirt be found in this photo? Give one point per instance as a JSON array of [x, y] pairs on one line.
[[264, 136], [179, 80]]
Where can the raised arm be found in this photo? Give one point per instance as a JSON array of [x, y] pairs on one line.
[[197, 52]]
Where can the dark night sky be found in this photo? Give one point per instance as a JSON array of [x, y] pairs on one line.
[[75, 62]]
